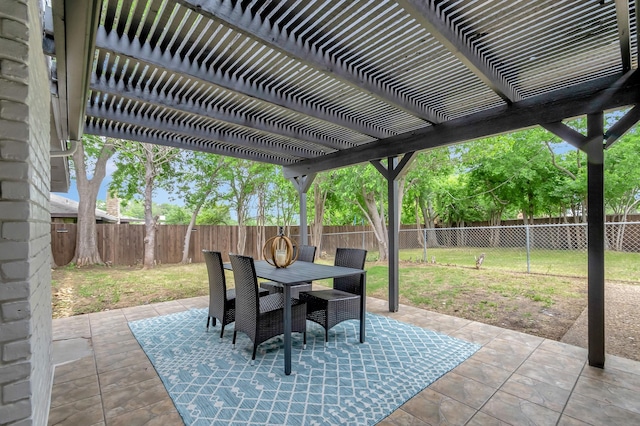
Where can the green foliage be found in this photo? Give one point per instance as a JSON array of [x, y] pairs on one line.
[[622, 192], [132, 208], [176, 215], [214, 215], [138, 163]]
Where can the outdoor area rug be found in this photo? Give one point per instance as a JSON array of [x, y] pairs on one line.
[[345, 382]]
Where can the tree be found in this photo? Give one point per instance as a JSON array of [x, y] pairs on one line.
[[197, 184], [176, 215], [214, 214], [140, 167], [243, 177], [424, 185], [320, 193], [363, 186], [284, 197], [93, 151], [622, 193]]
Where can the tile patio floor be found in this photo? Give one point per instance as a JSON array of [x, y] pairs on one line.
[[515, 378]]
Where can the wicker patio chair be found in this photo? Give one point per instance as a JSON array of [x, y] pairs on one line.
[[222, 302], [261, 318], [342, 302], [307, 254]]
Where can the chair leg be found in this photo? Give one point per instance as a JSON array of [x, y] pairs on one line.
[[208, 319], [304, 340], [234, 338], [253, 357], [222, 331]]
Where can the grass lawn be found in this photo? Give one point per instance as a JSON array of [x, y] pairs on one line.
[[619, 266], [544, 305]]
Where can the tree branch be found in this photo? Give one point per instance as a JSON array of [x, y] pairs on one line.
[[558, 166]]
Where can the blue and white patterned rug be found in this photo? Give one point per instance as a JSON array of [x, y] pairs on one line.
[[343, 383]]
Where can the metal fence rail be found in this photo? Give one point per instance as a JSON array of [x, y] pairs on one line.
[[548, 249]]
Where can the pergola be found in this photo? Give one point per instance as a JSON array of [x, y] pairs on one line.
[[320, 84]]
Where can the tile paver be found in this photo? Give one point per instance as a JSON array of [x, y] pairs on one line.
[[519, 411], [514, 378]]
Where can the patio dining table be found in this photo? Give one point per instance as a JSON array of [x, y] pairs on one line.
[[300, 272]]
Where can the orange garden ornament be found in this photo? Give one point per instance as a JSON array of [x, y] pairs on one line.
[[279, 251]]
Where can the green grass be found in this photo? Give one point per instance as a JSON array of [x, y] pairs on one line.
[[434, 285], [77, 291], [545, 304], [619, 266]]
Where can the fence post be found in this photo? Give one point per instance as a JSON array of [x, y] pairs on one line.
[[424, 250], [526, 227], [364, 235]]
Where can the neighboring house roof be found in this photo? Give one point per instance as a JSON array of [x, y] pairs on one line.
[[65, 207]]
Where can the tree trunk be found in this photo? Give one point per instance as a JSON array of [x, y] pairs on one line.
[[320, 199], [377, 220], [429, 218], [419, 231], [149, 220], [86, 238], [187, 237], [242, 238], [260, 222], [194, 215]]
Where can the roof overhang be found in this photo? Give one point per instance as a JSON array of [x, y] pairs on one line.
[[69, 38]]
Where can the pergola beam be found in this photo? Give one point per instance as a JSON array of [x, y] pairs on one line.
[[622, 126], [146, 96], [280, 40], [424, 12], [567, 134], [121, 46], [152, 123], [167, 139], [624, 33], [597, 95]]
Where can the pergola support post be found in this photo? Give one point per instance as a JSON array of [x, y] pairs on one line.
[[594, 145], [302, 185], [394, 171], [596, 234]]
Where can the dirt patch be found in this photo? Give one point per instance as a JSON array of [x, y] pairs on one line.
[[622, 322], [515, 313], [561, 317]]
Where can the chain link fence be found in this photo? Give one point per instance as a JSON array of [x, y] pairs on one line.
[[556, 249]]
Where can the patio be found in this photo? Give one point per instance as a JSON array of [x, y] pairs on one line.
[[106, 379]]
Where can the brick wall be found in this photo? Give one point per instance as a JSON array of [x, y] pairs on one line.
[[25, 275]]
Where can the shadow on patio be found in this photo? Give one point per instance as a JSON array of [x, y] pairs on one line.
[[104, 378]]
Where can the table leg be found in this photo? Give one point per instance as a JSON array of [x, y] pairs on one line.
[[363, 307], [287, 329]]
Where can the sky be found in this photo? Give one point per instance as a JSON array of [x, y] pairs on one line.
[[159, 196]]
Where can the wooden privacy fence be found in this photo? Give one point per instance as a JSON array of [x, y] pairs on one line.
[[123, 244]]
